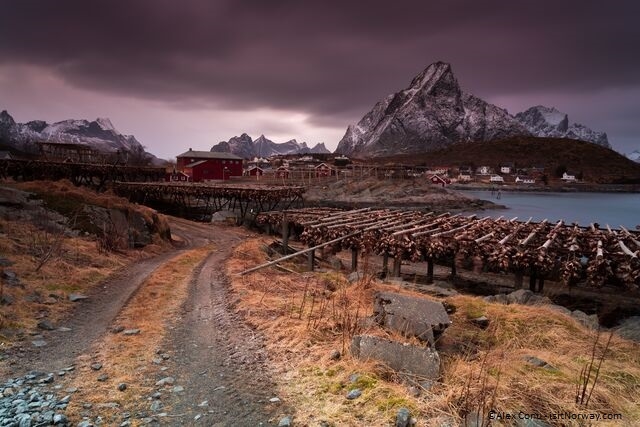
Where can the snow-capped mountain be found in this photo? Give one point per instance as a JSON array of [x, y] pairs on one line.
[[549, 122], [431, 113], [244, 146], [434, 112], [99, 134], [634, 155]]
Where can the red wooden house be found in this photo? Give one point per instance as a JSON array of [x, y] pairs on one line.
[[208, 165], [439, 180], [254, 171], [323, 170]]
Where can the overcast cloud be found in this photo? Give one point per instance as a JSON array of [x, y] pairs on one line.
[[204, 71]]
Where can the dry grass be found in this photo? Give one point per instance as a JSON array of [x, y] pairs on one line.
[[128, 359], [478, 365], [75, 267], [51, 263]]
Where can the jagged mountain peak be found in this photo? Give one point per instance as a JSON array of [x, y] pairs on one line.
[[430, 113], [100, 135], [247, 148], [545, 121]]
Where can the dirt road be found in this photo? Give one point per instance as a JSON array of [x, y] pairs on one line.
[[215, 356]]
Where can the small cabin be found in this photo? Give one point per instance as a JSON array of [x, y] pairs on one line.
[[484, 170], [439, 180], [254, 171], [282, 172], [323, 170], [496, 178], [568, 178], [525, 180], [464, 177], [177, 176]]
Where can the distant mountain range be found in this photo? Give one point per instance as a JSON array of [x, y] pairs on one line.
[[99, 134], [434, 112], [244, 146]]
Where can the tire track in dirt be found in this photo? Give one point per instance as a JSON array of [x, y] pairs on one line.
[[91, 318], [218, 358]]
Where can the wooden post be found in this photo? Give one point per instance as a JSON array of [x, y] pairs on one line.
[[397, 262], [285, 234], [354, 259], [532, 279], [429, 270], [385, 264], [311, 258], [518, 280], [454, 270], [540, 284]]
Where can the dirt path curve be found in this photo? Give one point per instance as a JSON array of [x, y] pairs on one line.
[[92, 317], [220, 361]]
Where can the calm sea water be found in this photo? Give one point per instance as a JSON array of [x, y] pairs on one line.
[[614, 209]]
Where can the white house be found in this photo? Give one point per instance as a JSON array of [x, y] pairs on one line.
[[506, 168], [496, 178], [567, 177], [484, 170], [525, 180], [464, 177]]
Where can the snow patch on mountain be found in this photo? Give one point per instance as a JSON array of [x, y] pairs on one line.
[[244, 146], [634, 155], [429, 114], [549, 122], [99, 134]]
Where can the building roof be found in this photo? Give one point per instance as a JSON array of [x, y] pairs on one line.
[[194, 164], [209, 155]]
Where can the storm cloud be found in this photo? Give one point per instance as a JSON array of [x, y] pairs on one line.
[[330, 60]]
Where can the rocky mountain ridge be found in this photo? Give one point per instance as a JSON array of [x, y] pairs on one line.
[[244, 146], [548, 122], [433, 112], [99, 134]]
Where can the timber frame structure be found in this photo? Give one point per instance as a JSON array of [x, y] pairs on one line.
[[97, 176], [206, 198], [564, 253]]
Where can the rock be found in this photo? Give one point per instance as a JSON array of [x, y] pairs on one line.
[[103, 377], [156, 406], [177, 389], [60, 419], [335, 263], [131, 331], [354, 394], [560, 309], [122, 386], [4, 262], [85, 423], [96, 366], [355, 277], [166, 381], [411, 316], [7, 299], [589, 321], [403, 418], [203, 403], [533, 360], [286, 421], [64, 329], [274, 400], [50, 301], [39, 343], [530, 422], [521, 296], [77, 297], [335, 355], [630, 328], [117, 329], [400, 357], [482, 322]]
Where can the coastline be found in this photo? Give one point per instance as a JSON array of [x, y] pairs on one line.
[[563, 188]]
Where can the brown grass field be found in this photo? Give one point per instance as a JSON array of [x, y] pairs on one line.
[[304, 316]]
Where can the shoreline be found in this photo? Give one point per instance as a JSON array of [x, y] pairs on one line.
[[573, 188]]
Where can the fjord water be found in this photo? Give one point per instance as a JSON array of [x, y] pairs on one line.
[[614, 209]]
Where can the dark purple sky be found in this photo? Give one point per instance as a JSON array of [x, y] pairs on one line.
[[191, 73]]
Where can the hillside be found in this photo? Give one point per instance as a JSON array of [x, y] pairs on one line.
[[597, 164]]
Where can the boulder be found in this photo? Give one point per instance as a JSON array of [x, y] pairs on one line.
[[403, 358], [589, 321], [630, 328], [411, 316]]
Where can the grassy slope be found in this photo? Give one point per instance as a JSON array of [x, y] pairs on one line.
[[598, 164], [476, 363]]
